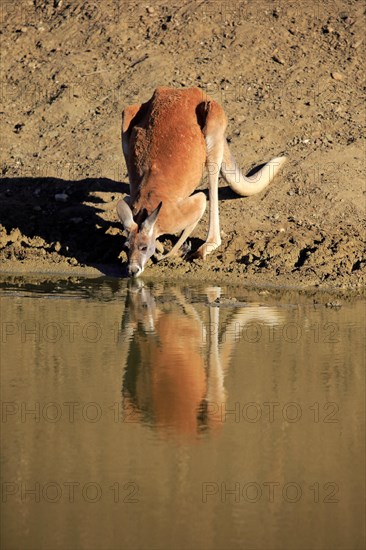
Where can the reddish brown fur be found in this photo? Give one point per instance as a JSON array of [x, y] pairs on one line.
[[167, 142], [176, 374], [173, 371], [178, 363], [168, 150]]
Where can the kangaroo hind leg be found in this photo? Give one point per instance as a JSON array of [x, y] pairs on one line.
[[214, 133]]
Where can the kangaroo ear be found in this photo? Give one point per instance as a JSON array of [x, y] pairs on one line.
[[125, 215], [148, 224]]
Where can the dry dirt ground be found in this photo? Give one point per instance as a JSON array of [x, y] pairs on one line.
[[290, 76]]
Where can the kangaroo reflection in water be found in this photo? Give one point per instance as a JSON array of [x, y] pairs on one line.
[[174, 359]]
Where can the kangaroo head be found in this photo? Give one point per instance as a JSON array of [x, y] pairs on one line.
[[141, 237], [141, 310]]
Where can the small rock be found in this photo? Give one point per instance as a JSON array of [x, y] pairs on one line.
[[279, 59], [150, 10], [15, 236], [114, 231], [73, 261], [61, 197], [123, 256], [333, 304], [18, 127], [38, 242], [57, 247], [337, 76]]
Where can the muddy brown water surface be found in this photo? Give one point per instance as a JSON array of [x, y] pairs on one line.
[[155, 415]]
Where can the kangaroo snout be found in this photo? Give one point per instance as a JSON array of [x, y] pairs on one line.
[[134, 270]]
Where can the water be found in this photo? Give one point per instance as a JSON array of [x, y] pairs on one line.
[[160, 416]]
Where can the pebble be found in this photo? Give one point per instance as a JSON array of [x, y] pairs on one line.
[[279, 59], [61, 197], [57, 247], [337, 76], [113, 231], [15, 235]]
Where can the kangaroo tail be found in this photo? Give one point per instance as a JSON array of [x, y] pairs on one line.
[[244, 185]]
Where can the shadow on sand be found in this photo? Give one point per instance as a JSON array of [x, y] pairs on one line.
[[71, 227]]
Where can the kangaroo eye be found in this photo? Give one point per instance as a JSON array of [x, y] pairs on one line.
[[143, 248]]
